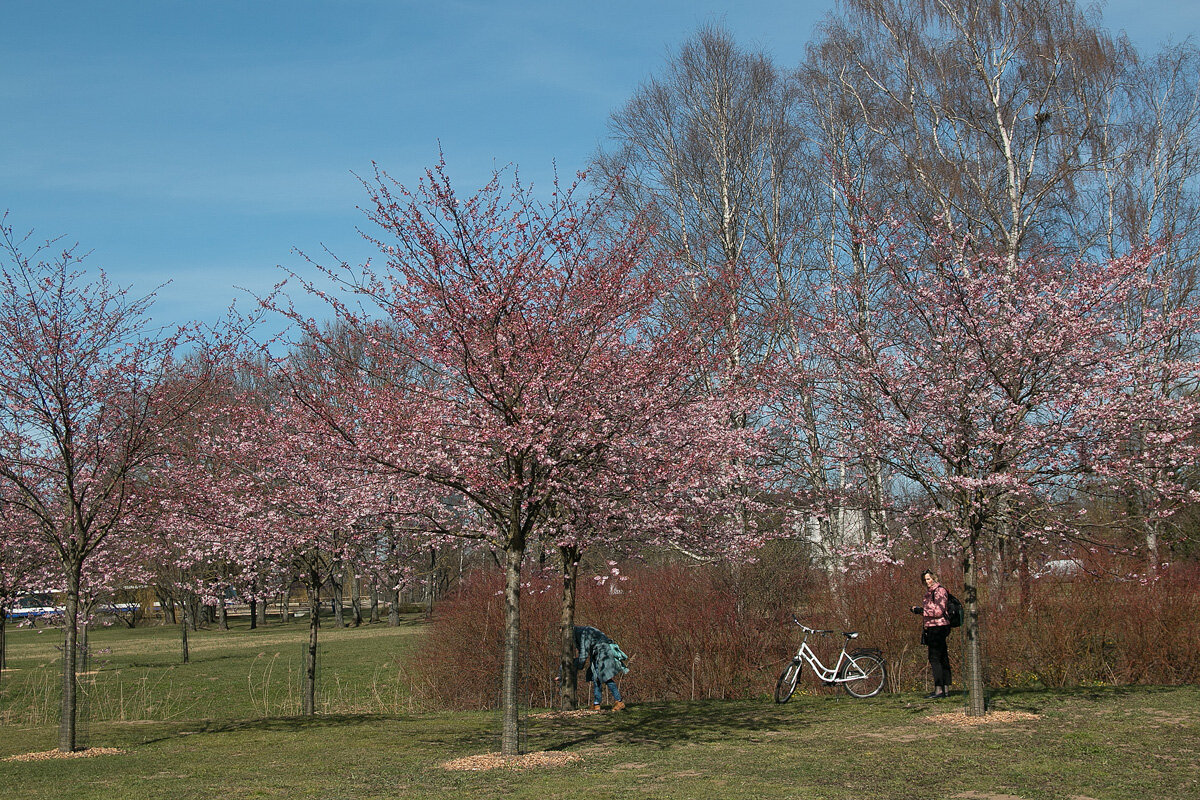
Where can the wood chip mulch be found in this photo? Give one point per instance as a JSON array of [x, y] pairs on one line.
[[991, 717], [89, 752], [583, 712], [542, 758]]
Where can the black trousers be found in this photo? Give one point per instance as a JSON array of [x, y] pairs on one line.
[[939, 657]]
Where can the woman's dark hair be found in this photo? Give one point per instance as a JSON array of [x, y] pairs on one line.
[[930, 573]]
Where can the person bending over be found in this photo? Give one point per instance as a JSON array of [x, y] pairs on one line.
[[605, 661]]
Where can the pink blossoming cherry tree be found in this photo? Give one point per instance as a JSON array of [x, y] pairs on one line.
[[89, 392], [507, 353]]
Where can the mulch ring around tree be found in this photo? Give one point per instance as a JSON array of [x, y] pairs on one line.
[[87, 752], [486, 761], [991, 717], [582, 712]]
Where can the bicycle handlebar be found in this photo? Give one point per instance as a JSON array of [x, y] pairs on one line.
[[807, 630]]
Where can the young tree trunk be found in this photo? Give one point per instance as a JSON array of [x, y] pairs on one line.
[[430, 581], [335, 582], [356, 617], [973, 680], [254, 604], [374, 603], [310, 659], [262, 612], [183, 632], [70, 682], [569, 688], [1023, 580], [394, 608], [514, 553], [222, 615], [3, 641], [167, 604]]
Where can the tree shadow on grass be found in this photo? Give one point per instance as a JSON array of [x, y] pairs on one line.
[[169, 731], [664, 725], [1037, 700]]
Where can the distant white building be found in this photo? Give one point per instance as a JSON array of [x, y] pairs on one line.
[[844, 531], [1061, 568]]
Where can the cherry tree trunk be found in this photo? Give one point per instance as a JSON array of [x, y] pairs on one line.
[[514, 554], [394, 608], [356, 616], [183, 633], [310, 656], [973, 680], [3, 641], [569, 675], [339, 612], [167, 604], [70, 667]]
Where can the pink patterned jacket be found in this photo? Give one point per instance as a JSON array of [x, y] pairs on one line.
[[933, 606]]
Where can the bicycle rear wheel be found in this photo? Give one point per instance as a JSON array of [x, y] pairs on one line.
[[786, 685], [866, 675]]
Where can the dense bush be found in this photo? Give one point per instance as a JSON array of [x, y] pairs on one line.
[[719, 632], [683, 628]]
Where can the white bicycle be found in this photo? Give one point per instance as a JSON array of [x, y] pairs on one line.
[[861, 672]]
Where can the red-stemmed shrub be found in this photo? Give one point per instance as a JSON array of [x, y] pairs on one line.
[[685, 632], [709, 632]]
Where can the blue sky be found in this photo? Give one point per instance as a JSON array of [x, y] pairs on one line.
[[201, 143]]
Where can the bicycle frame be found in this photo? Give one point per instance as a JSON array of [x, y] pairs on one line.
[[861, 673], [828, 675]]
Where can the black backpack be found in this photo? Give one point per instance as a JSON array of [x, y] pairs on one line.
[[954, 610]]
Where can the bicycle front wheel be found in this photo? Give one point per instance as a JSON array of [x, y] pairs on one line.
[[865, 676], [785, 687]]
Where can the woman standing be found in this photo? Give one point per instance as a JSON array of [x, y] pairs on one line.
[[936, 628]]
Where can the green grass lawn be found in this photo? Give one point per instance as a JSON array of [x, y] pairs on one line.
[[137, 675], [1086, 743]]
